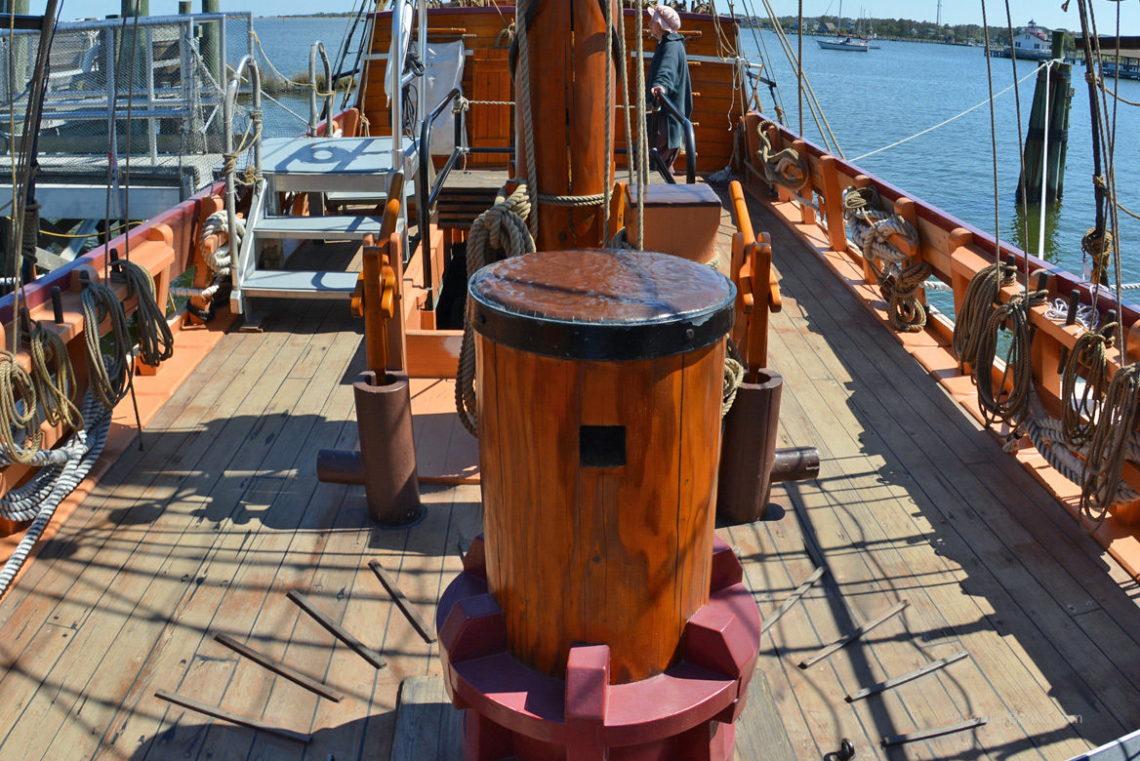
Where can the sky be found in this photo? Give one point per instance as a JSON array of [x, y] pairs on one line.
[[1047, 13]]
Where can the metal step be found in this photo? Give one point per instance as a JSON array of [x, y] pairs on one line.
[[317, 228], [305, 285], [322, 165]]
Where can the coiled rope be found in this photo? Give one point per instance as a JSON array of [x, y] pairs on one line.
[[54, 392], [996, 404], [501, 228], [901, 281], [1089, 352], [1107, 449], [20, 433], [156, 341], [785, 167], [110, 376], [221, 260], [981, 295], [39, 498]]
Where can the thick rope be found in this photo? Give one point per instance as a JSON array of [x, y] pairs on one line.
[[109, 378], [20, 433], [500, 228], [221, 261], [574, 202], [733, 377], [54, 392], [1078, 415], [52, 484], [785, 167], [1107, 450], [901, 281]]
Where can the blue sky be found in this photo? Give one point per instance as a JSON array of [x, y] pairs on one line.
[[1048, 12]]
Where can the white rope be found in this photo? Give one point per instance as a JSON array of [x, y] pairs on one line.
[[1044, 166], [1087, 314], [53, 484], [928, 130]]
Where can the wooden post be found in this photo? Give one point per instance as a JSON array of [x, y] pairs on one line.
[[807, 211], [1044, 160], [833, 204], [567, 79]]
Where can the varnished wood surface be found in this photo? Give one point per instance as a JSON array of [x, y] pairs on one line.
[[620, 555], [208, 528]]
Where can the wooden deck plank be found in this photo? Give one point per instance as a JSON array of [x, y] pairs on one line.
[[103, 588], [226, 555], [829, 299]]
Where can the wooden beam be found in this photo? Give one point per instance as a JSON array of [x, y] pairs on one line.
[[310, 684], [232, 718], [402, 602], [374, 658]]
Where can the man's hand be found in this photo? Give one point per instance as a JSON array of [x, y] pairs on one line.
[[658, 90]]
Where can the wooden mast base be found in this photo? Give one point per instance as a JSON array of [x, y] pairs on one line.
[[514, 711]]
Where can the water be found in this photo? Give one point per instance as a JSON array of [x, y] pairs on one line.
[[876, 98], [872, 100]]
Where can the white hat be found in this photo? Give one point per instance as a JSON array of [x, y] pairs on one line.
[[669, 19]]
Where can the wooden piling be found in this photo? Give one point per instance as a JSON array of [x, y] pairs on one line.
[[1051, 98]]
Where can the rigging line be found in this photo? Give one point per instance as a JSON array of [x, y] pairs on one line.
[[765, 56], [814, 105], [17, 210], [800, 65], [1021, 148], [1114, 209], [993, 133], [955, 118]]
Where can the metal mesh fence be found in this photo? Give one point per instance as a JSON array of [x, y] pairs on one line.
[[140, 86]]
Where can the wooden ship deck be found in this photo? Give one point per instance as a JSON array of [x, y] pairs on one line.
[[206, 529]]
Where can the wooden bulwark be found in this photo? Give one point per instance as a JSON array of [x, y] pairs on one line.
[[955, 251]]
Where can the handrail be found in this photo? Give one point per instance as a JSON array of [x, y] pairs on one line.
[[315, 50], [689, 136], [247, 63], [425, 200]]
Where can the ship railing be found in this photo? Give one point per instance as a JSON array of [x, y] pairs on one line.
[[317, 52], [955, 250], [251, 140], [688, 134], [425, 198]]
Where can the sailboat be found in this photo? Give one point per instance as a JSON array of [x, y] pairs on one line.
[[849, 43]]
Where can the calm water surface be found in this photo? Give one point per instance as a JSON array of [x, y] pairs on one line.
[[876, 98], [873, 99]]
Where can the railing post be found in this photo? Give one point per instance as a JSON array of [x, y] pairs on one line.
[[833, 204], [807, 211], [863, 181]]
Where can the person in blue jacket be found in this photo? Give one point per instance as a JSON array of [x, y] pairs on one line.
[[668, 78]]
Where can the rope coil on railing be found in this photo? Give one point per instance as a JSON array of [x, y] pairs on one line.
[[20, 433], [1078, 415], [221, 260], [901, 281], [54, 393], [784, 167], [108, 377], [977, 303], [502, 228], [1107, 447], [995, 402], [155, 339]]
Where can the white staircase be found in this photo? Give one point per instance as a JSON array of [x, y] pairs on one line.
[[355, 169]]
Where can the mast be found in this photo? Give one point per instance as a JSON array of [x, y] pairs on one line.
[[567, 69]]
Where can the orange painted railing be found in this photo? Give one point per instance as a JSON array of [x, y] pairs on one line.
[[956, 251]]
